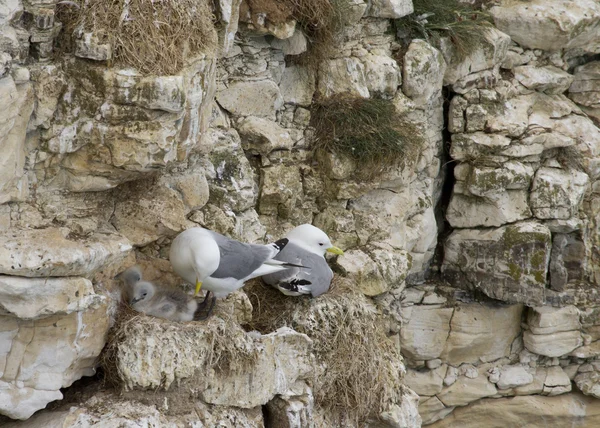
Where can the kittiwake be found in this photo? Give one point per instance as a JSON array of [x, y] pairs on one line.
[[222, 265], [307, 246], [158, 301]]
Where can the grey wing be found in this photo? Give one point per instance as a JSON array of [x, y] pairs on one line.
[[178, 298], [238, 260], [163, 307], [319, 275]]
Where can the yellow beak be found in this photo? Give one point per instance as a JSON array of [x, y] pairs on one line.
[[198, 286], [335, 250]]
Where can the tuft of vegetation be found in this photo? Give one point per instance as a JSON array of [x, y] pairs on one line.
[[153, 36], [359, 371], [368, 130], [463, 24], [321, 21]]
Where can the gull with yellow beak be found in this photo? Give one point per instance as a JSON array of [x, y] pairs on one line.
[[222, 265], [307, 246]]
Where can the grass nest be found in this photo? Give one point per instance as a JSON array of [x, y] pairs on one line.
[[231, 349], [152, 36], [358, 373], [368, 130], [463, 24], [321, 21]]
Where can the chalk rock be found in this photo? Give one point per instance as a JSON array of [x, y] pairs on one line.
[[589, 383], [513, 376], [402, 415], [297, 85], [548, 320], [553, 344], [548, 79], [342, 75], [561, 410], [425, 331], [382, 74], [486, 55], [262, 136], [52, 252], [294, 409], [260, 98], [508, 263], [585, 89], [465, 391], [423, 72], [392, 9], [556, 382], [432, 409], [425, 382], [557, 193], [39, 357], [541, 24], [90, 46]]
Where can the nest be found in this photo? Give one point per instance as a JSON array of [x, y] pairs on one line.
[[230, 348], [152, 36], [359, 372]]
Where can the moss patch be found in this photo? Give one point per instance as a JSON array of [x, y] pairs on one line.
[[155, 37], [370, 131]]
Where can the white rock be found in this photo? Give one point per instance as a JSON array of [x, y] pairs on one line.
[[297, 85], [432, 409], [428, 382], [382, 74], [423, 72], [90, 46], [487, 54], [513, 376], [548, 79], [390, 8], [557, 193], [251, 98], [294, 45], [294, 409], [548, 319], [465, 391], [342, 75], [589, 383], [557, 381], [542, 24], [424, 333], [403, 415], [554, 344], [585, 89], [50, 252], [262, 136]]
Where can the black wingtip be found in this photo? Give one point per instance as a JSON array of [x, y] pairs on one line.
[[281, 243], [294, 265]]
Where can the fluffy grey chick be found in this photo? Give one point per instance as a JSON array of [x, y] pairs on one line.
[[162, 302]]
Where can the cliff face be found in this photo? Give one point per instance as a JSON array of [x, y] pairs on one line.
[[478, 256]]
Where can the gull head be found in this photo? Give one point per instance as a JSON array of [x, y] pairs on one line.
[[142, 293], [313, 239]]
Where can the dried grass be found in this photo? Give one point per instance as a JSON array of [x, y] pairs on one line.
[[465, 25], [369, 130], [360, 370], [153, 36]]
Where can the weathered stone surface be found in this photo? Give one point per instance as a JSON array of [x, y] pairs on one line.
[[382, 74], [585, 89], [424, 333], [556, 382], [557, 193], [534, 410], [553, 344], [343, 75], [509, 263], [489, 53], [589, 383], [251, 98], [107, 410], [297, 85], [513, 376], [466, 390], [52, 252], [427, 382], [432, 409], [262, 136], [547, 319], [281, 191], [18, 102], [541, 24], [90, 46], [390, 8], [548, 79], [402, 415], [40, 357], [294, 45], [423, 72], [481, 333], [279, 359], [293, 409], [33, 298]]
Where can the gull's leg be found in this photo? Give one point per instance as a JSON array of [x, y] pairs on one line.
[[212, 305], [201, 312]]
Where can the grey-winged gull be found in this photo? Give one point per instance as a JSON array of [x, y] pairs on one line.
[[307, 246], [162, 302], [222, 265]]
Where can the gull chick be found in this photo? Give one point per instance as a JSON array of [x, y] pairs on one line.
[[162, 302], [222, 265], [307, 246]]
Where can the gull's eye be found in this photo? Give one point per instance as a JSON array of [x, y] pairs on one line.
[[321, 244]]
